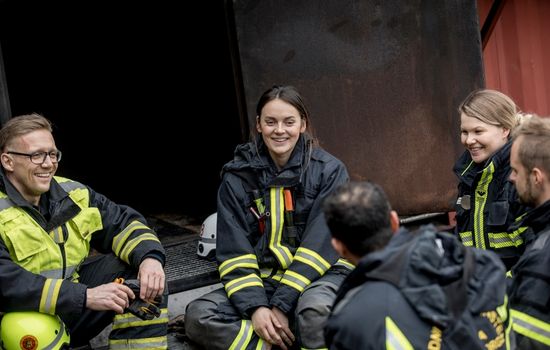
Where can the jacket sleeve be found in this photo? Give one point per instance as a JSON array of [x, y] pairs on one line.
[[21, 290], [125, 232], [315, 255], [238, 263]]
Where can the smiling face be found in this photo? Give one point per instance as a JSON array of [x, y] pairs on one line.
[[482, 140], [31, 180], [280, 126]]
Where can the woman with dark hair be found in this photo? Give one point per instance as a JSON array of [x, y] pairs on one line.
[[278, 269]]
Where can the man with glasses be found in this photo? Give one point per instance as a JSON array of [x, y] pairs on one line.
[[47, 226]]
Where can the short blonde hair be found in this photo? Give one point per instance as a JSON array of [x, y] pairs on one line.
[[22, 125]]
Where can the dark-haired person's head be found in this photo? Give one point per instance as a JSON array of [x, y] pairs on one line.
[[360, 219]]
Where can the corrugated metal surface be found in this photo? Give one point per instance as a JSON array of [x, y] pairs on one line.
[[382, 80], [518, 52]]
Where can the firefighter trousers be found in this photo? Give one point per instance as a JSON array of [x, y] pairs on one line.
[[128, 330], [211, 321]]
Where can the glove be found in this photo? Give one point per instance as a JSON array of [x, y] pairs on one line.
[[144, 309]]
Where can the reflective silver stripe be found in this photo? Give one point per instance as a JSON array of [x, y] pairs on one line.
[[57, 273], [531, 327], [128, 320], [143, 343], [313, 259], [6, 203], [237, 284], [261, 344], [50, 292], [56, 342], [121, 238], [295, 280], [243, 337], [57, 235], [395, 339], [70, 185], [466, 238], [281, 253], [244, 261], [480, 200], [344, 263]]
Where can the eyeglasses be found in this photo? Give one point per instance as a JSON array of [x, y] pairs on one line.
[[40, 157]]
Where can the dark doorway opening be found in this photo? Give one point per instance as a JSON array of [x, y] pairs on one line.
[[141, 113]]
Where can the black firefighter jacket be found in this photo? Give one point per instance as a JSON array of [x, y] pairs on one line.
[[530, 288], [488, 205], [424, 290], [292, 248], [69, 215]]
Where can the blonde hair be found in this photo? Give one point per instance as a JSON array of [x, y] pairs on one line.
[[491, 107], [22, 125]]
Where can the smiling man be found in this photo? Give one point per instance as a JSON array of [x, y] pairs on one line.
[[530, 288], [47, 226]]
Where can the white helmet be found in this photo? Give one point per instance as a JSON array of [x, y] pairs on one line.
[[207, 241]]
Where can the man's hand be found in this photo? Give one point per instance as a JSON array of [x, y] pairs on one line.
[[111, 296], [284, 331], [268, 327], [151, 278]]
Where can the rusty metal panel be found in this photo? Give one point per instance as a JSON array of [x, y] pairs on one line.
[[382, 80]]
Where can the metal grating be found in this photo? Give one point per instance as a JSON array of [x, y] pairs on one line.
[[185, 270]]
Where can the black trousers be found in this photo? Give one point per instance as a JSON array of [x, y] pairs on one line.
[[97, 270]]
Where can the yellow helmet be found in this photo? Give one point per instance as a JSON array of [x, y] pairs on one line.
[[29, 330]]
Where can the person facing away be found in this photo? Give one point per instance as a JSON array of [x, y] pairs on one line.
[[530, 288], [48, 225], [487, 201], [278, 269], [410, 290]]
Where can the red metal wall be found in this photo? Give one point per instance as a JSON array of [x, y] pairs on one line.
[[518, 48]]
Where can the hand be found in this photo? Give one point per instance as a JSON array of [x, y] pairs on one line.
[[111, 296], [284, 331], [267, 326], [151, 279]]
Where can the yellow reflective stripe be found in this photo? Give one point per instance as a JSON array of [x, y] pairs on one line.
[[466, 238], [156, 343], [261, 344], [295, 280], [480, 201], [128, 320], [243, 337], [57, 235], [237, 284], [125, 254], [266, 273], [248, 260], [282, 253], [503, 239], [345, 263], [502, 310], [313, 259], [531, 327], [50, 293], [395, 339], [468, 167], [121, 238]]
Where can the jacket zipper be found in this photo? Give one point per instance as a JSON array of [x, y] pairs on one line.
[[62, 249]]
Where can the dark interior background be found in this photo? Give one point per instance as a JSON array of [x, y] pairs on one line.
[[141, 94]]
